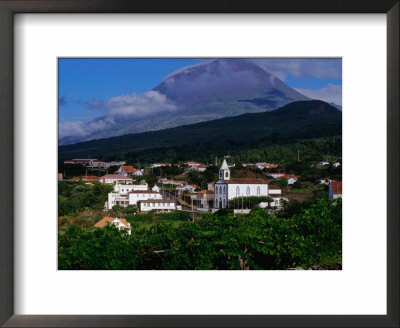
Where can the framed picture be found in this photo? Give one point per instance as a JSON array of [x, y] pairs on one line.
[[54, 104]]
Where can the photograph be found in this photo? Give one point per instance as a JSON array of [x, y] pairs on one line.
[[199, 163]]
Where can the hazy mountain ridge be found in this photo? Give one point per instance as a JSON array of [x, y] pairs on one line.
[[297, 120]]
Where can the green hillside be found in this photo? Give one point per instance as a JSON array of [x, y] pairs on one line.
[[296, 121]]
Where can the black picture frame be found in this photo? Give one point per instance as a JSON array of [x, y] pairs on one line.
[[10, 7]]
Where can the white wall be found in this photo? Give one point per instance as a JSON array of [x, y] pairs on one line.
[[243, 187], [127, 188], [145, 207], [274, 191], [134, 198]]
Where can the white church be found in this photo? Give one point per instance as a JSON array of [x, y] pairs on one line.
[[227, 188]]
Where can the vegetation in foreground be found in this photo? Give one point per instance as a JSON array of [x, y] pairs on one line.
[[307, 238]]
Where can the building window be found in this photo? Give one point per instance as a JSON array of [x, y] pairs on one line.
[[224, 190], [237, 191], [258, 191], [248, 191]]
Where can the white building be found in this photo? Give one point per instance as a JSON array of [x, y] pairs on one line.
[[189, 188], [159, 205], [171, 182], [129, 197], [265, 166], [115, 178], [138, 195], [160, 165], [323, 163], [121, 224], [119, 199], [156, 188], [276, 175], [227, 188], [126, 188]]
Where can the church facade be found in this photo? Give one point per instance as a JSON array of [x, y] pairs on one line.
[[227, 188]]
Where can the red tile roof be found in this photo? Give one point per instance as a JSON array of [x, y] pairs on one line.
[[116, 176], [288, 176], [86, 178], [128, 168], [336, 187], [246, 181], [108, 220], [273, 187]]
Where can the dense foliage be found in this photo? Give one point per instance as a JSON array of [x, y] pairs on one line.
[[78, 196], [256, 241]]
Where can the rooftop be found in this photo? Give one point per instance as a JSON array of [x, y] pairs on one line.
[[246, 181]]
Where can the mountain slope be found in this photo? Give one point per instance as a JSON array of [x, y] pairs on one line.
[[297, 120], [207, 91]]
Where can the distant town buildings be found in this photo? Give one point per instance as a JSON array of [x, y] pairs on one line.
[[115, 178], [93, 162], [160, 165], [276, 175], [265, 166], [194, 166], [86, 178], [172, 182]]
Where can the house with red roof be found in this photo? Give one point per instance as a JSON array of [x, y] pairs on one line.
[[120, 224], [335, 189], [290, 178]]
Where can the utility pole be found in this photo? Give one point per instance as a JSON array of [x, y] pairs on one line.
[[298, 156]]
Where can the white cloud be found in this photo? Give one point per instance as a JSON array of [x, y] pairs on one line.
[[331, 93], [118, 109], [80, 129], [144, 104]]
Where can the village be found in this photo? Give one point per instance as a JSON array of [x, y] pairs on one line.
[[260, 185]]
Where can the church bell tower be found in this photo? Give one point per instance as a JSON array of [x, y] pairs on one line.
[[224, 171]]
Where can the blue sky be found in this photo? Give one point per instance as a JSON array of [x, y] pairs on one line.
[[83, 82]]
